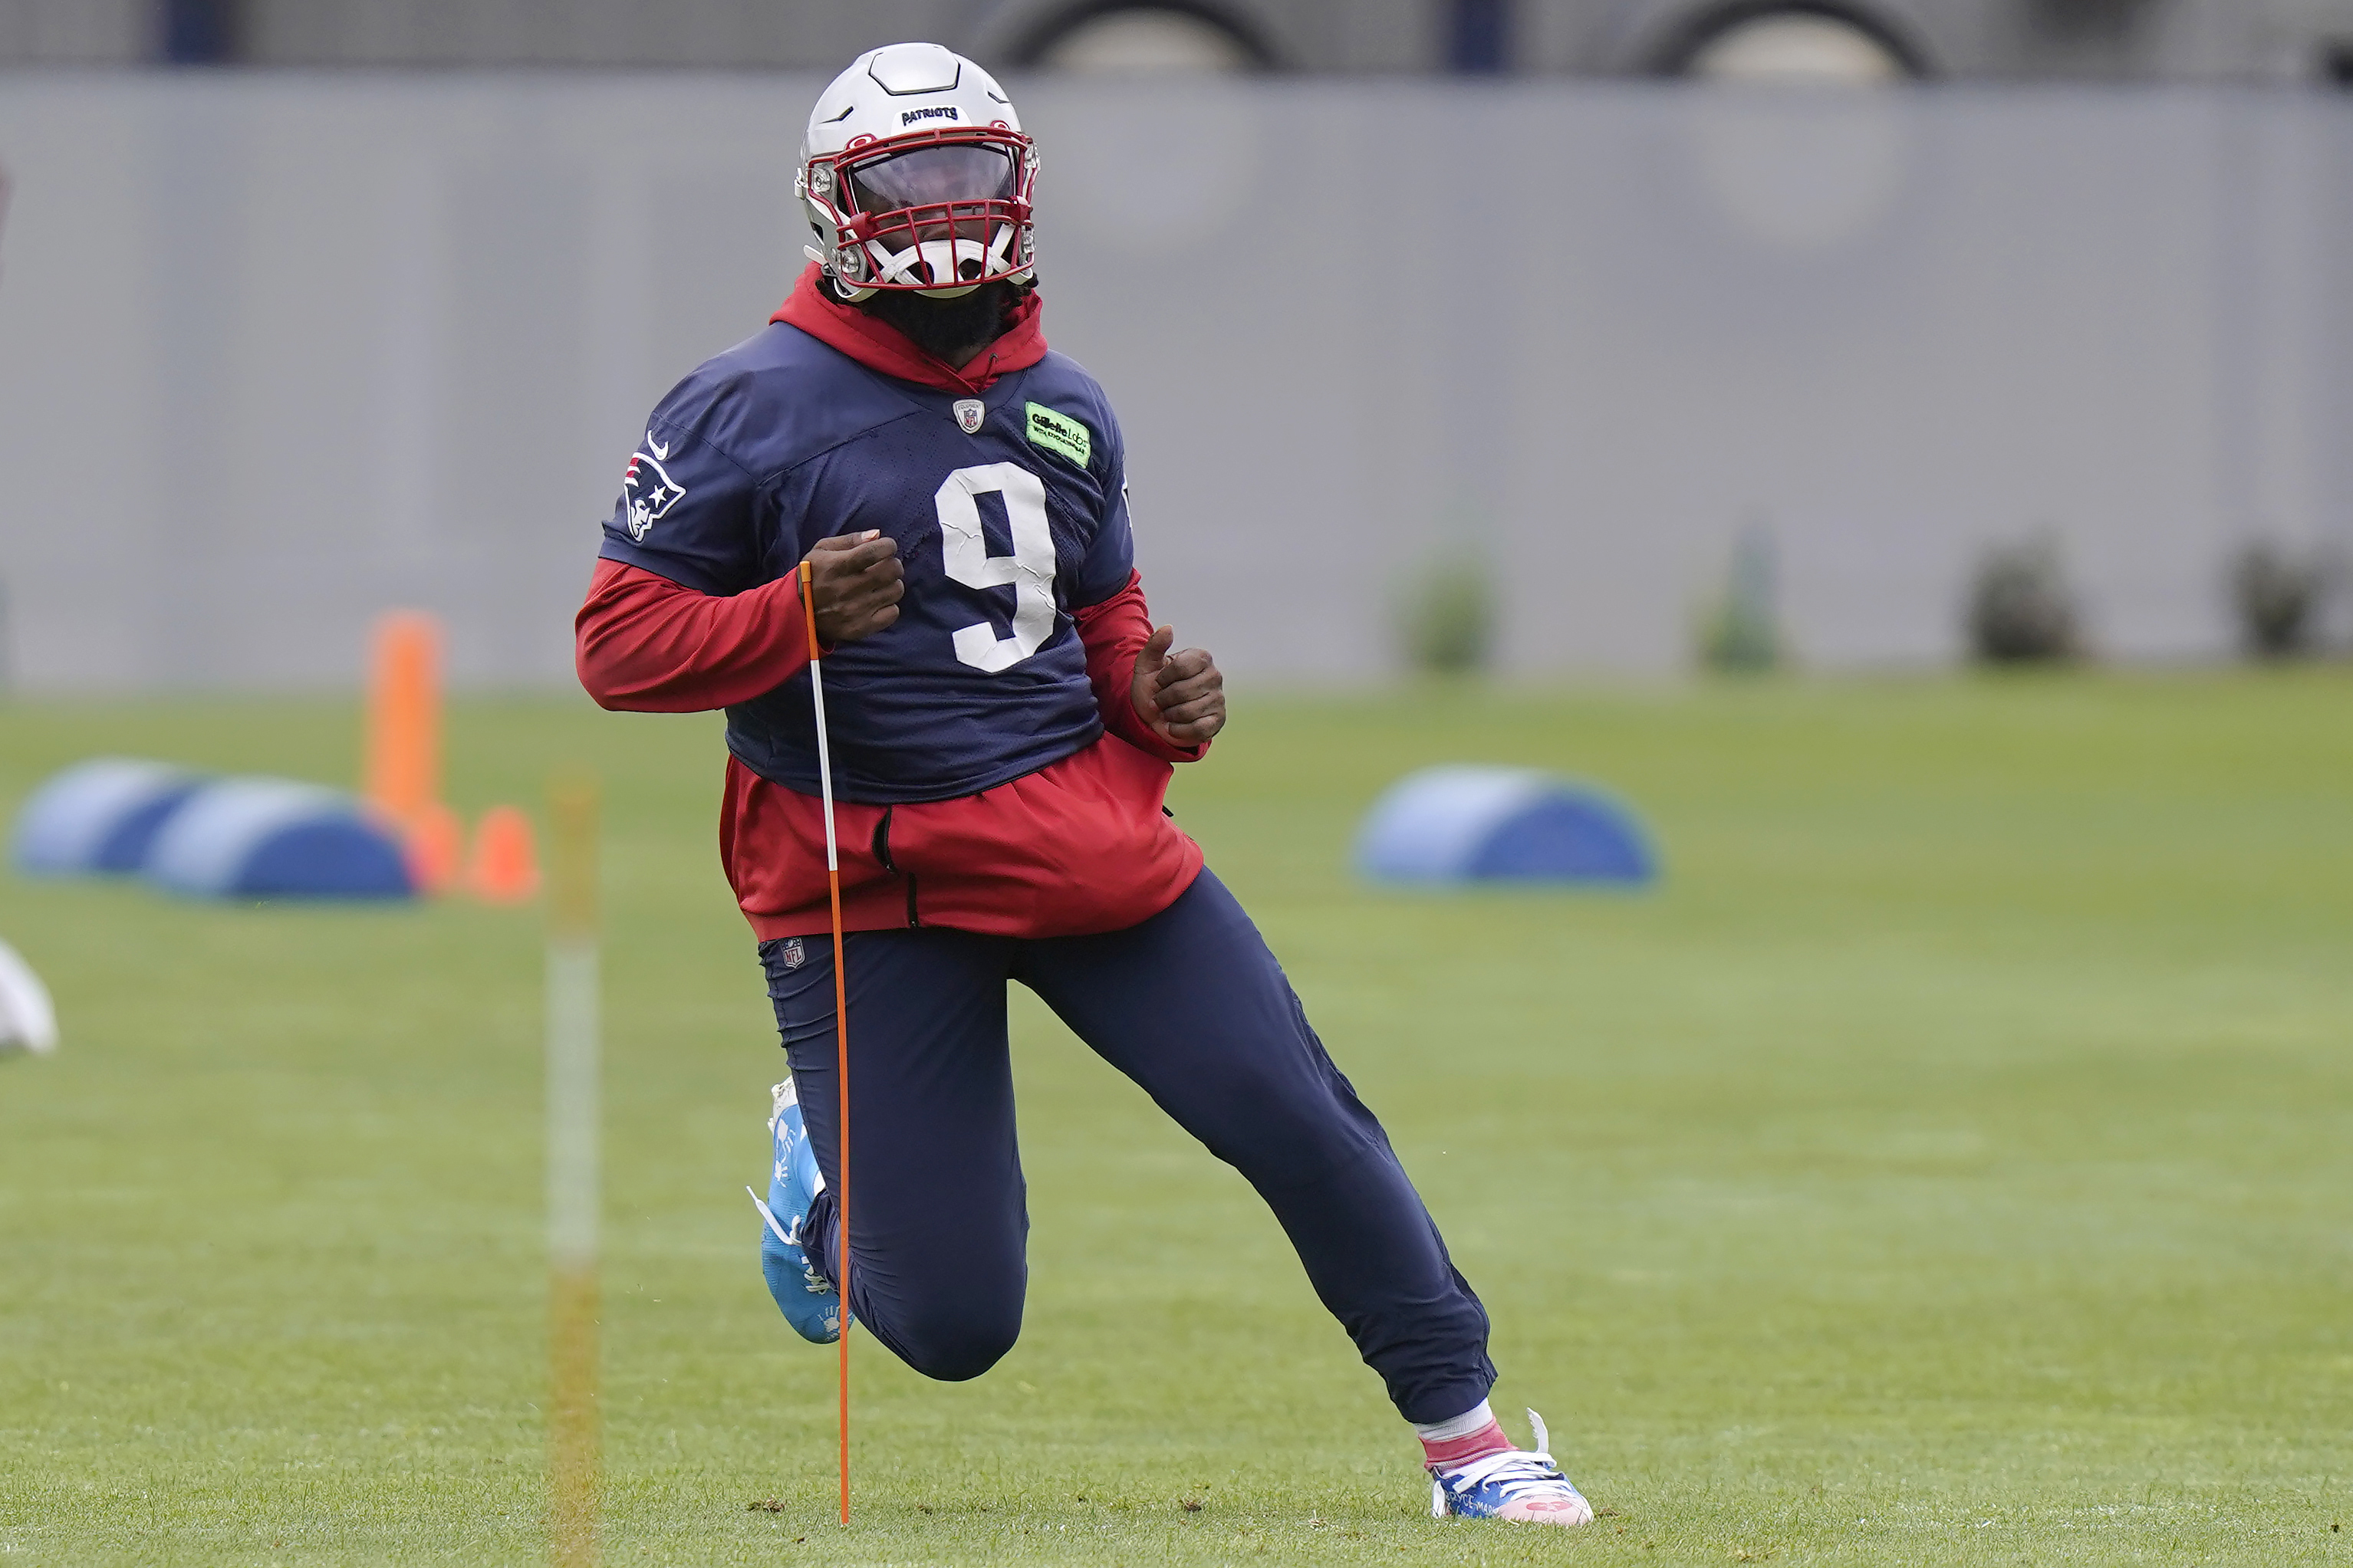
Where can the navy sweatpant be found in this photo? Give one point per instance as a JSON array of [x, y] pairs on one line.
[[1193, 1007]]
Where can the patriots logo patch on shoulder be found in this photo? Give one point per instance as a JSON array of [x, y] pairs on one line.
[[647, 489]]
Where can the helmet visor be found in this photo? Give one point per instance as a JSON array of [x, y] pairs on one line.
[[926, 176]]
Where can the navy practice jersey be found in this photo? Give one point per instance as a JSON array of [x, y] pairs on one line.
[[1008, 509]]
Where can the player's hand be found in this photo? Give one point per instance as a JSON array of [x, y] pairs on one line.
[[1181, 695], [856, 582]]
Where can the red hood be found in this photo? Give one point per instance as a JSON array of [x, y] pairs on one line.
[[884, 348]]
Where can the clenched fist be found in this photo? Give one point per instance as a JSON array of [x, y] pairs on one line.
[[855, 582], [1181, 695]]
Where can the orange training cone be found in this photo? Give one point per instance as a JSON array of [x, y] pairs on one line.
[[435, 842], [504, 869]]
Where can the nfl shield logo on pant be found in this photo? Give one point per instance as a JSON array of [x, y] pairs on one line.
[[794, 953]]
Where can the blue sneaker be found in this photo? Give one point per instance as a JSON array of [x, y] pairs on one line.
[[1517, 1484], [810, 1305]]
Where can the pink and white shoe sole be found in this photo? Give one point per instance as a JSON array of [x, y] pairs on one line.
[[1548, 1510]]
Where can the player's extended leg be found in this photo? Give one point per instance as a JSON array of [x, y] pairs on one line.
[[939, 1218], [1193, 1006]]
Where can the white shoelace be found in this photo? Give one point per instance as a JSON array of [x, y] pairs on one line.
[[790, 1236], [1516, 1472]]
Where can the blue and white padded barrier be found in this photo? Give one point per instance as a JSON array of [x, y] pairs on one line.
[[1449, 826], [274, 838], [99, 816], [208, 837]]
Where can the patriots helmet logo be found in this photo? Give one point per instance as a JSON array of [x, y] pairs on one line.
[[647, 489]]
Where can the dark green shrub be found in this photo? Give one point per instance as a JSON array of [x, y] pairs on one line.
[[2020, 609], [2278, 597], [1742, 632], [1446, 613]]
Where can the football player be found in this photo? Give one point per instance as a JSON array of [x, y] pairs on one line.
[[1005, 718]]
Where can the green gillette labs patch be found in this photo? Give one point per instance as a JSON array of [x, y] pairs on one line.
[[1058, 433]]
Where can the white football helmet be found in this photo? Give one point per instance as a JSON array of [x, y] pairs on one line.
[[916, 176]]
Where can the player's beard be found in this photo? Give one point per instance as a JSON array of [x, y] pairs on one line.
[[950, 329]]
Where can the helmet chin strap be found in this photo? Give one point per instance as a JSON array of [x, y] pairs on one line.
[[938, 257], [941, 259], [932, 254]]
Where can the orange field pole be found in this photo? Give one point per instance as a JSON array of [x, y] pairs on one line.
[[840, 1020], [402, 771]]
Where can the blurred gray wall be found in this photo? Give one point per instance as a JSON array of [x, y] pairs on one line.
[[735, 35], [278, 351], [2192, 40]]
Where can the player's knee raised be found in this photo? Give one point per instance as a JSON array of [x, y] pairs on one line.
[[958, 1345]]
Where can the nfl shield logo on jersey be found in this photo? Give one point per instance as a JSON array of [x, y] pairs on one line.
[[794, 954], [969, 411], [647, 488]]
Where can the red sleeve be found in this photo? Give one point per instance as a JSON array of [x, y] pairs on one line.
[[648, 645], [1113, 633]]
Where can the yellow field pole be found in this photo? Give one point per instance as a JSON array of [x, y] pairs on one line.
[[573, 1181]]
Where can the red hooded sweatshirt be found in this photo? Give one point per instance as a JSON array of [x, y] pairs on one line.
[[1082, 845]]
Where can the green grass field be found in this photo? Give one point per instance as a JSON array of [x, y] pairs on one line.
[[1951, 1164]]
